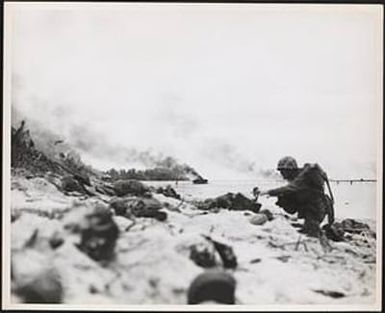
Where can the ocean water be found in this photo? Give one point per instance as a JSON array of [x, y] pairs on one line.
[[356, 200]]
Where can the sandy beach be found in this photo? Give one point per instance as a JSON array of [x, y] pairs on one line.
[[276, 264]]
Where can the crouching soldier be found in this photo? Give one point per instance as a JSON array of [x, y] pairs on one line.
[[304, 194]]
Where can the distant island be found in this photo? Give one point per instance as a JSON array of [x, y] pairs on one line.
[[157, 173]]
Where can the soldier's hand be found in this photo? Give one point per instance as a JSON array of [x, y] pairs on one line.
[[256, 192]]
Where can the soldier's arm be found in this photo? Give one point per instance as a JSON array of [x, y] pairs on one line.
[[297, 185], [285, 190]]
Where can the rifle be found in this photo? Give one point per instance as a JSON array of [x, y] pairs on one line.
[[330, 206]]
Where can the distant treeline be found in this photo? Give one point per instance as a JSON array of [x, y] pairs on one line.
[[158, 173]]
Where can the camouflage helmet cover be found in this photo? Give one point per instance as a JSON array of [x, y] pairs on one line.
[[288, 163]]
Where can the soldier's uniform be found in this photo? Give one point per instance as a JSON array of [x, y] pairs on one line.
[[305, 194]]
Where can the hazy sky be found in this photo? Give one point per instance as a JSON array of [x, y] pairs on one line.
[[216, 86]]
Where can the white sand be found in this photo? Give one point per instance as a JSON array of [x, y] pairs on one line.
[[152, 263]]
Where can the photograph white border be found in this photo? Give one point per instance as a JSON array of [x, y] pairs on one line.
[[6, 282]]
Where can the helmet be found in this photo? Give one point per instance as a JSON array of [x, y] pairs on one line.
[[288, 163], [213, 285]]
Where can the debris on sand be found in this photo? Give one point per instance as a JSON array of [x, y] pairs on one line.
[[138, 207], [230, 201], [341, 231], [355, 227], [283, 258], [168, 191], [203, 255], [330, 293], [130, 187], [226, 253], [98, 234]]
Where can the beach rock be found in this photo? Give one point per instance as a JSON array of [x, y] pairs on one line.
[[259, 219], [130, 187], [98, 234], [268, 214], [212, 285], [45, 288], [34, 277], [203, 255]]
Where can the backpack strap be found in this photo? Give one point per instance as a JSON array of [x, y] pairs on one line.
[[330, 201], [330, 205]]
